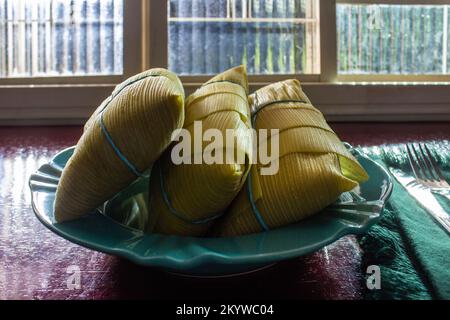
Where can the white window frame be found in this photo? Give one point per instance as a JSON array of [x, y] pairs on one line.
[[70, 100]]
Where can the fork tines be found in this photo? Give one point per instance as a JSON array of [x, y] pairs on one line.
[[423, 163]]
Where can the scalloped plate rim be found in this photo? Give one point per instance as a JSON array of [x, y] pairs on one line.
[[207, 256]]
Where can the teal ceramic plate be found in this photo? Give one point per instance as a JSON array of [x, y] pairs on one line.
[[114, 228]]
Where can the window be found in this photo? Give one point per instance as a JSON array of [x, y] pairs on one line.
[[270, 37], [357, 59], [78, 38], [60, 37], [393, 39]]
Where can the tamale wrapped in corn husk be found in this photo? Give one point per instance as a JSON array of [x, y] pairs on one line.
[[121, 140], [185, 198], [314, 167]]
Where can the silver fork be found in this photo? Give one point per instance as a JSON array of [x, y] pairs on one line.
[[426, 169]]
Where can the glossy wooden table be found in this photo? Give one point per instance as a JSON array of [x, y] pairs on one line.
[[34, 262]]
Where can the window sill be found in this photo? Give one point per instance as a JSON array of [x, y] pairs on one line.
[[72, 104]]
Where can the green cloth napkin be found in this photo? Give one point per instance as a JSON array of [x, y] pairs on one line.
[[411, 249]]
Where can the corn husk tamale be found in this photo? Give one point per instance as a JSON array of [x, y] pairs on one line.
[[314, 167], [121, 140], [185, 198]]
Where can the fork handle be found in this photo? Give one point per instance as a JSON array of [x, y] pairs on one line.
[[442, 192], [444, 221]]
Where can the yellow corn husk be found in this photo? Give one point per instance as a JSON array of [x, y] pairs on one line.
[[199, 192], [139, 116], [314, 165]]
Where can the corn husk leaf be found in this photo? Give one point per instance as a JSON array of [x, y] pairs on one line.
[[140, 116], [199, 192], [314, 165]]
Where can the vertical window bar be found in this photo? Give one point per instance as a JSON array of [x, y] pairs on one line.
[[445, 40], [34, 38], [10, 39], [3, 40]]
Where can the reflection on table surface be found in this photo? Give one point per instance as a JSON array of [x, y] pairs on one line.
[[34, 262]]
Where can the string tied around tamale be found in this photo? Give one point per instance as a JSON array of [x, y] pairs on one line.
[[263, 106], [174, 211], [108, 137], [255, 210], [249, 185], [117, 151]]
